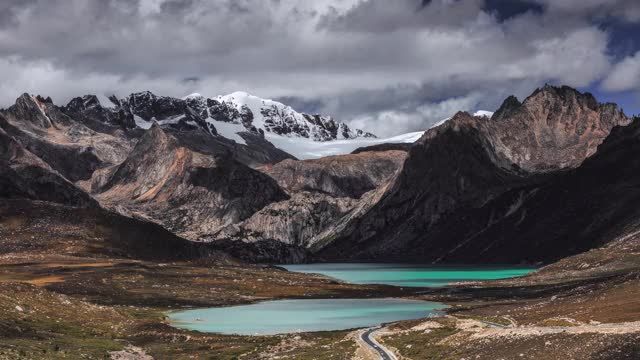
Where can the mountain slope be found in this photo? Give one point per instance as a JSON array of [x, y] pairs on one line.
[[24, 175], [553, 128], [271, 117], [189, 193], [451, 166], [69, 147], [137, 112], [339, 176], [460, 178], [560, 215]]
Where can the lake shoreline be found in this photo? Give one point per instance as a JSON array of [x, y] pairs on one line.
[[420, 280]]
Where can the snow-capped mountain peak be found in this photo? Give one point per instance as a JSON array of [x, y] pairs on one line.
[[277, 118]]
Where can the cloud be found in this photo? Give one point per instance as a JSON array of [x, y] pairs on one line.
[[625, 75], [416, 119], [357, 60]]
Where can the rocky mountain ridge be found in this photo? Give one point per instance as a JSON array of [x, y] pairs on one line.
[[189, 193], [252, 114], [469, 172], [465, 191]]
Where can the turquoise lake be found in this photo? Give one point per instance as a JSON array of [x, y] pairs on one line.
[[409, 275], [287, 316]]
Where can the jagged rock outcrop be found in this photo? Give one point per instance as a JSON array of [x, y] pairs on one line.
[[69, 147], [187, 192], [322, 192], [90, 111], [462, 176], [339, 176], [553, 128], [147, 107], [24, 175], [180, 117]]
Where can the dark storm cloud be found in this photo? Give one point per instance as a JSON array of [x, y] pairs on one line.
[[625, 10], [389, 66], [506, 9], [9, 10]]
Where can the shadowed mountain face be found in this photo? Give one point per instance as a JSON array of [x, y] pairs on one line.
[[24, 175], [452, 166], [189, 193], [69, 147], [94, 232], [468, 191]]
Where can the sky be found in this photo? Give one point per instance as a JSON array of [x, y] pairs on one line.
[[385, 66]]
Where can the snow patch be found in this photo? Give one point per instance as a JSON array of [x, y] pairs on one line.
[[142, 123], [229, 130], [303, 148], [192, 96], [173, 120], [484, 113]]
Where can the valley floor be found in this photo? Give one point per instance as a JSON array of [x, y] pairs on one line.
[[69, 307], [66, 307], [62, 296]]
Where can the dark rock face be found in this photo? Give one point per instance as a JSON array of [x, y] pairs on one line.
[[552, 217], [31, 109], [71, 148], [187, 192], [88, 110], [339, 176], [222, 111], [24, 175], [469, 187], [451, 166], [175, 112]]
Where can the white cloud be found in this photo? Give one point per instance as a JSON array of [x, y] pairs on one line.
[[363, 59], [397, 122], [625, 75]]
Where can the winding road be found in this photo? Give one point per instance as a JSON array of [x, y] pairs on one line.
[[384, 353]]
